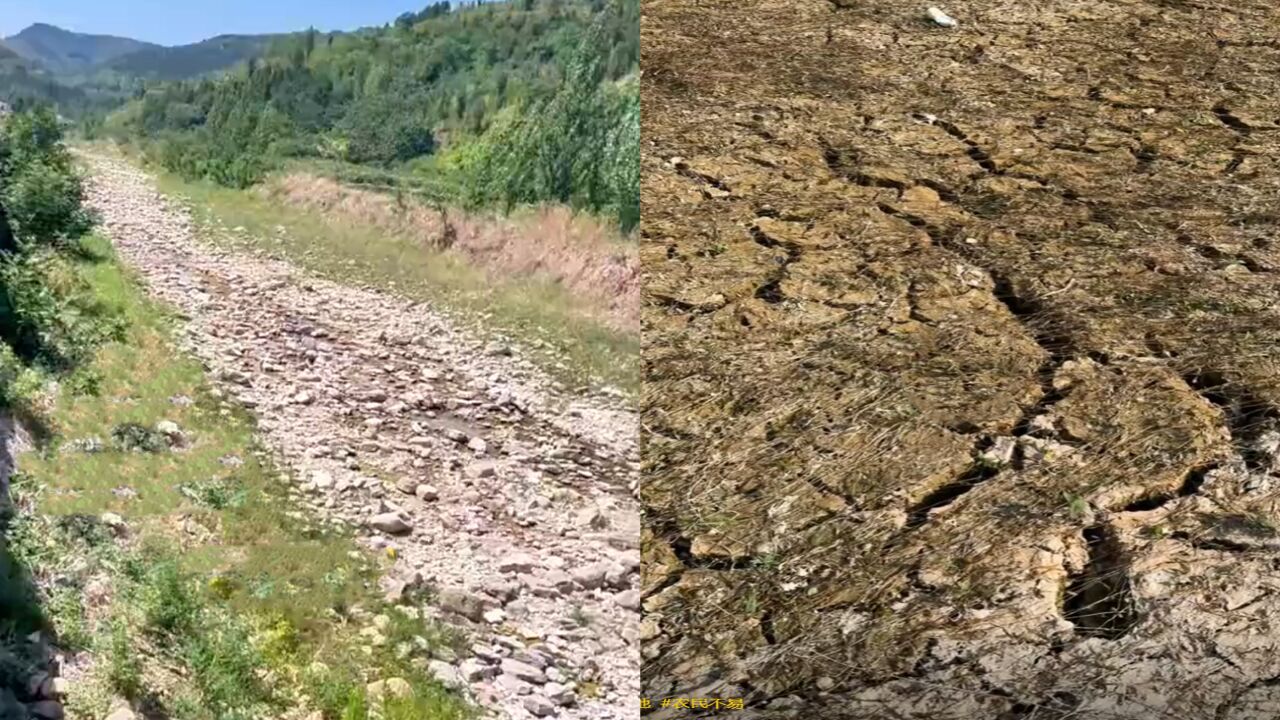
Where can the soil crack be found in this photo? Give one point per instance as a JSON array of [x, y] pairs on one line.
[[1098, 601], [771, 290]]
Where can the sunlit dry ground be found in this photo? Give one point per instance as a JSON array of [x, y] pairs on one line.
[[962, 397]]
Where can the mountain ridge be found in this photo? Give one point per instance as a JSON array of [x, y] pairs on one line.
[[66, 52]]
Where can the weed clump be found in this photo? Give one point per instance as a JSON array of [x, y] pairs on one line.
[[132, 437], [215, 493]]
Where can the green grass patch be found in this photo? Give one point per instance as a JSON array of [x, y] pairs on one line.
[[220, 595], [542, 317]]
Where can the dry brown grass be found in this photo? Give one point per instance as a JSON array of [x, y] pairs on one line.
[[581, 253]]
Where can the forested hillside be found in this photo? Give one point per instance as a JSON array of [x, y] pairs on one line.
[[494, 105], [187, 61], [22, 84]]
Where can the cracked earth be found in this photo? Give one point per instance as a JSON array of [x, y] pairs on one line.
[[509, 499], [961, 393]]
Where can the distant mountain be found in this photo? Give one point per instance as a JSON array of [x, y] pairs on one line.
[[78, 56], [187, 61], [65, 52]]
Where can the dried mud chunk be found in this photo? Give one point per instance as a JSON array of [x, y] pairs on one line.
[[925, 203], [1244, 647], [724, 177], [732, 270], [832, 278], [717, 640], [800, 237], [1137, 415], [878, 177], [714, 545], [659, 562], [747, 316]]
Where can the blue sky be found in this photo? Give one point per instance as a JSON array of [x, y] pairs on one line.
[[174, 22]]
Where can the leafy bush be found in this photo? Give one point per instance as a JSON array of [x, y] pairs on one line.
[[198, 157], [30, 313], [30, 137], [40, 193], [238, 171], [48, 317], [225, 660], [18, 382], [215, 493], [19, 605], [183, 116], [44, 203], [170, 604], [225, 666]]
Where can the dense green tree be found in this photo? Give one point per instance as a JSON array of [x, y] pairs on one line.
[[386, 128], [580, 146]]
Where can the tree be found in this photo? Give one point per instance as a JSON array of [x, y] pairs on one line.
[[386, 128]]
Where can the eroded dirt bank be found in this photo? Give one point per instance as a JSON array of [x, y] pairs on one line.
[[578, 252], [962, 394], [508, 502]]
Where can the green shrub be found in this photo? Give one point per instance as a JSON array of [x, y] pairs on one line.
[[170, 605], [32, 136], [124, 671], [216, 493], [19, 606], [29, 310], [66, 610], [199, 156], [224, 665], [44, 203], [47, 316], [18, 382]]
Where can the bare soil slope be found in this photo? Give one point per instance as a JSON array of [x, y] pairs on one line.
[[962, 397]]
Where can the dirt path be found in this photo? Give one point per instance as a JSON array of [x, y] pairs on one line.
[[509, 500], [961, 358]]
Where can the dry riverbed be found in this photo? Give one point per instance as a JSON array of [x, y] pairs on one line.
[[506, 498]]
